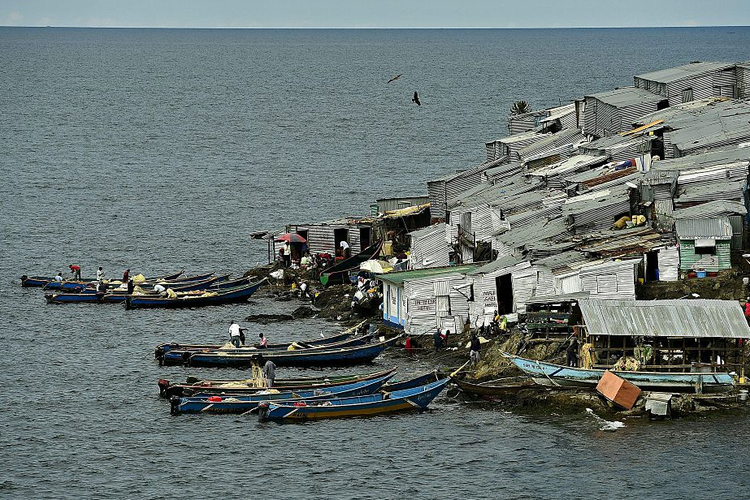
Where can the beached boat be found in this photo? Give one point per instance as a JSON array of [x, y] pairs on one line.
[[416, 398], [497, 387], [176, 357], [552, 375], [340, 272], [227, 296], [345, 356], [243, 403]]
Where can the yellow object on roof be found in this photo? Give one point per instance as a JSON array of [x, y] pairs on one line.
[[642, 128], [405, 212]]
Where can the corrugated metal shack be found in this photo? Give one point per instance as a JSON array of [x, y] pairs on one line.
[[384, 205], [704, 244], [743, 80], [607, 113], [734, 211], [325, 237], [421, 300], [429, 247], [507, 148], [618, 147], [445, 188], [610, 280], [689, 82], [393, 227], [668, 335], [556, 117], [596, 210]]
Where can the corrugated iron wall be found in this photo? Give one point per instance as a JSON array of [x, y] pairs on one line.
[[430, 250], [743, 81], [690, 261], [610, 282], [702, 86], [436, 194], [669, 264]]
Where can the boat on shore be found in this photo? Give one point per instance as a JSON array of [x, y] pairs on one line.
[[411, 399], [220, 297], [497, 387], [552, 375], [322, 357], [244, 403], [340, 272]]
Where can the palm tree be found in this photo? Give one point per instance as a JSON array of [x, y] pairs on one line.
[[520, 108]]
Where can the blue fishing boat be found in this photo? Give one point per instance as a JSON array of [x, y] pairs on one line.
[[210, 403], [416, 398], [176, 357], [345, 356], [40, 281], [552, 375], [251, 386], [70, 298], [228, 296], [160, 349]]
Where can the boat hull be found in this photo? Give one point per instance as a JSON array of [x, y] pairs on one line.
[[552, 375], [229, 296]]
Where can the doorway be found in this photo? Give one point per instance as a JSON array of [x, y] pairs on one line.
[[504, 286], [340, 235], [652, 266], [365, 236]]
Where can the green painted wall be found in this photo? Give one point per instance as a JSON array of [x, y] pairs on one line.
[[688, 257]]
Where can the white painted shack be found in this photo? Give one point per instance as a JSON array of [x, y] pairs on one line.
[[429, 247], [325, 237], [690, 82], [494, 288], [614, 111], [610, 280], [421, 300]]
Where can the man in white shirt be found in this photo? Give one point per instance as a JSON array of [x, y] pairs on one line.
[[235, 334], [99, 274], [59, 277], [345, 251], [159, 288]]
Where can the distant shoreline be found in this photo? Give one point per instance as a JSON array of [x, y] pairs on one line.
[[377, 28]]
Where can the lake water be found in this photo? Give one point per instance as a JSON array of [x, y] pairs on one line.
[[163, 149]]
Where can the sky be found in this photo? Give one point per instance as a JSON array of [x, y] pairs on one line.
[[374, 13]]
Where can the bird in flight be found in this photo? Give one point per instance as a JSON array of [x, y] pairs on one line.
[[395, 78], [415, 99]]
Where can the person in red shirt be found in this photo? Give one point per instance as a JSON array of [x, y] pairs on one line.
[[126, 275], [76, 270]]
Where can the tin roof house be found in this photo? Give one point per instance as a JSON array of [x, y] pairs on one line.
[[429, 247], [704, 244], [690, 82], [614, 111]]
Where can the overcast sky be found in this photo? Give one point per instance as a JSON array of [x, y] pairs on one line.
[[374, 13]]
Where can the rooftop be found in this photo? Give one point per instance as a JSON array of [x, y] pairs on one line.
[[626, 96], [665, 318], [678, 73], [717, 228], [398, 278]]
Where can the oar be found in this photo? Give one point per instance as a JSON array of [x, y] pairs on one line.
[[453, 374]]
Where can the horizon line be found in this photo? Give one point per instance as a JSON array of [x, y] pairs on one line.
[[376, 27]]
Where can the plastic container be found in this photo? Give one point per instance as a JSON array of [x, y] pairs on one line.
[[700, 274]]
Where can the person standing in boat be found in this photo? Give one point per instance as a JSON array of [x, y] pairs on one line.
[[126, 275], [75, 270], [263, 341], [100, 274], [235, 334], [131, 287], [269, 373]]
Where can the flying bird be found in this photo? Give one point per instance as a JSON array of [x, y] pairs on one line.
[[395, 78], [415, 99]]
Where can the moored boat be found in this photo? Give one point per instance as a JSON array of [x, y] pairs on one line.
[[552, 375], [497, 387], [241, 404], [70, 298], [345, 356], [220, 297], [416, 398]]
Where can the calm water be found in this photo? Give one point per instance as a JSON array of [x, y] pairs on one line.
[[161, 149]]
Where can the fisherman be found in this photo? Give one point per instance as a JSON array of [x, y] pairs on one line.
[[131, 287], [263, 341], [126, 275], [269, 373], [75, 271], [59, 276], [475, 347], [235, 334], [159, 288], [99, 274], [101, 287]]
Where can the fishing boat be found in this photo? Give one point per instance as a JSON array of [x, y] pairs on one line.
[[40, 281], [212, 285], [240, 404], [497, 387], [253, 385], [340, 272], [70, 298], [176, 357], [416, 398], [227, 296], [552, 375], [344, 356]]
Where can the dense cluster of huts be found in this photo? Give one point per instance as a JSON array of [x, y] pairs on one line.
[[641, 183]]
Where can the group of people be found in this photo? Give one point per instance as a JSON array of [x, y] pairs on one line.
[[237, 338]]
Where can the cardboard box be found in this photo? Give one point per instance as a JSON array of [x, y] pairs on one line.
[[618, 390]]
